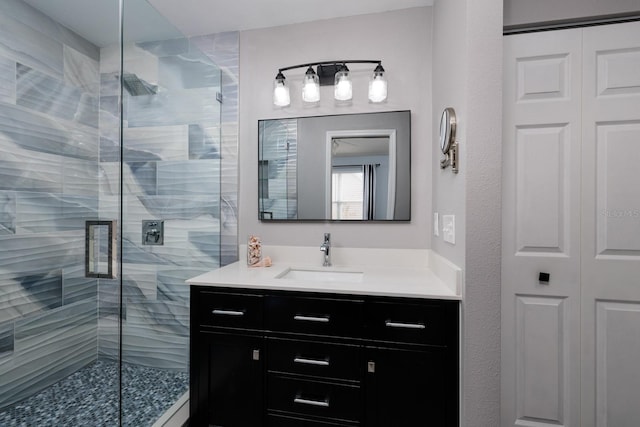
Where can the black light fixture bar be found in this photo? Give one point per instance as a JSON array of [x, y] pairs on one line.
[[312, 64], [330, 73]]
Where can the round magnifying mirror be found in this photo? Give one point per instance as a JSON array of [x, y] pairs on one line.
[[447, 129]]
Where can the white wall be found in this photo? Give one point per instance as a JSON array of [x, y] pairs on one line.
[[467, 75], [518, 12], [402, 40]]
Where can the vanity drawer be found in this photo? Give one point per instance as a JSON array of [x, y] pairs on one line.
[[315, 316], [421, 323], [317, 359], [230, 310], [315, 398]]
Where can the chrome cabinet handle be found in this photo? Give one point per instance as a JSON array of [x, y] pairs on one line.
[[391, 324], [311, 361], [323, 403], [311, 318], [228, 312]]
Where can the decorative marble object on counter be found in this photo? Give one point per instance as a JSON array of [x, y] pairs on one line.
[[410, 273], [254, 250]]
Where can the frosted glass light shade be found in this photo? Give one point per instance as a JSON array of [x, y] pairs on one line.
[[311, 87], [378, 85], [343, 88], [281, 97]]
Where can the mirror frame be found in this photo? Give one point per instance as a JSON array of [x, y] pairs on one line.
[[447, 129]]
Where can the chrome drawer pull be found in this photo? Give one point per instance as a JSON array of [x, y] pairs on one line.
[[323, 403], [391, 324], [311, 319], [228, 312], [311, 361]]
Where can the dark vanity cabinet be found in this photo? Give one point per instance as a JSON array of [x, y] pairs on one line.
[[297, 359]]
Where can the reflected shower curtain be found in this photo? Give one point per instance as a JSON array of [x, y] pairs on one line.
[[369, 182]]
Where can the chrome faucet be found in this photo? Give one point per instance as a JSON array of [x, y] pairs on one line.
[[326, 246]]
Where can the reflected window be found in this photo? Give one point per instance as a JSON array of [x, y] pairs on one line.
[[347, 201]]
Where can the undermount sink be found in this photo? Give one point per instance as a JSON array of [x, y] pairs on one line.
[[311, 275]]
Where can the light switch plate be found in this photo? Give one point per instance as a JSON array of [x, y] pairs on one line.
[[449, 228], [436, 224]]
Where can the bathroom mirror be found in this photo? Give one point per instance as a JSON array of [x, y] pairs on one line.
[[349, 167]]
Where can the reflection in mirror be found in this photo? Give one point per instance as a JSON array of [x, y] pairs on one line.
[[334, 168]]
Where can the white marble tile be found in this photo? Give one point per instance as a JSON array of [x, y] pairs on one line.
[[48, 347], [46, 212], [40, 253], [38, 21], [40, 92], [80, 177], [76, 287], [139, 281], [194, 177], [29, 293], [7, 80], [173, 108], [7, 212], [81, 71], [39, 133], [158, 143], [28, 170], [30, 47]]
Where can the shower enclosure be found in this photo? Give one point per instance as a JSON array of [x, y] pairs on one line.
[[109, 120]]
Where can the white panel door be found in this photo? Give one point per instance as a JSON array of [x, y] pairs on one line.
[[611, 227], [541, 229]]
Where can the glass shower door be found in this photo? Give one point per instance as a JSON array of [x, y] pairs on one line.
[[170, 205]]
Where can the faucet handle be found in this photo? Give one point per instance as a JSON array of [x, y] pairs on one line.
[[327, 237]]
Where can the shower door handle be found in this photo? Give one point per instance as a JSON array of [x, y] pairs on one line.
[[100, 249]]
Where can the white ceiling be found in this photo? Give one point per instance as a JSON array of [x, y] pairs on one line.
[[196, 17], [97, 20]]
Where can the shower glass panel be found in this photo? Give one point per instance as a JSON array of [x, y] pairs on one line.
[[108, 115], [170, 204]]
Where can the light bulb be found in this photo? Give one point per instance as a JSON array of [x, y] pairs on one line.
[[343, 89], [281, 96], [378, 85], [311, 86]]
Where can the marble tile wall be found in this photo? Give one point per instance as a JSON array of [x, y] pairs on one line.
[[48, 187]]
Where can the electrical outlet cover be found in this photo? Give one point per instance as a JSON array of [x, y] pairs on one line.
[[449, 228], [436, 224]]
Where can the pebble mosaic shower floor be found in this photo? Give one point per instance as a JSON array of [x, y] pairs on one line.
[[89, 397]]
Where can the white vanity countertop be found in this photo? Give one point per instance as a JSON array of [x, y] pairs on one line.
[[394, 273]]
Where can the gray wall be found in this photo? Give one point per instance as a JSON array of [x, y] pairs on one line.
[[468, 76], [519, 12], [404, 46]]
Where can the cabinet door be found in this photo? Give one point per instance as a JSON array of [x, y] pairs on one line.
[[234, 380], [409, 388]]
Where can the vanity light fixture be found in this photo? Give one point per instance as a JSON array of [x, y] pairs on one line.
[[330, 72], [342, 87], [281, 96], [311, 86], [378, 85]]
